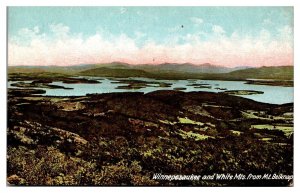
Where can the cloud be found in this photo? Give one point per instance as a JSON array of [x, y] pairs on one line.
[[267, 22], [286, 33], [123, 10], [218, 29], [59, 30], [174, 29], [265, 35], [26, 35], [196, 20], [62, 47], [139, 34]]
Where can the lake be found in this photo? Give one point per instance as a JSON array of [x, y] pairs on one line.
[[272, 94]]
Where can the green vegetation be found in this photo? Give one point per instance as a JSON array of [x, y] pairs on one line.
[[118, 139], [243, 92], [187, 71], [38, 85], [280, 73], [179, 88], [124, 138], [188, 121], [45, 78], [288, 130], [287, 83], [192, 135], [236, 132], [274, 73], [113, 72]]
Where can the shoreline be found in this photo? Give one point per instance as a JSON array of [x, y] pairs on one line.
[[123, 131]]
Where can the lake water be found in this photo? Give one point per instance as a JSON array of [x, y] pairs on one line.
[[272, 94]]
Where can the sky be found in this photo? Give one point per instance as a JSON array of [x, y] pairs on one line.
[[225, 36]]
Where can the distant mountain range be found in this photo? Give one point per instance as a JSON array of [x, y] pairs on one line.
[[191, 68], [171, 67], [175, 67], [165, 70]]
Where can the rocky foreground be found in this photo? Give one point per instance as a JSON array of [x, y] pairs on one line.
[[126, 138]]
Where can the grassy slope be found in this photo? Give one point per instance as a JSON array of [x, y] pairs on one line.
[[281, 72], [124, 138], [122, 70]]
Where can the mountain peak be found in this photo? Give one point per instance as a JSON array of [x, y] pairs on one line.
[[207, 64], [118, 63]]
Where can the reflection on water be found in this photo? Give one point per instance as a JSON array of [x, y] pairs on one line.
[[272, 94]]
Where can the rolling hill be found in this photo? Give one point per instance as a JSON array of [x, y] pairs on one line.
[[164, 71], [280, 72], [184, 68], [116, 72], [165, 67], [50, 69]]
